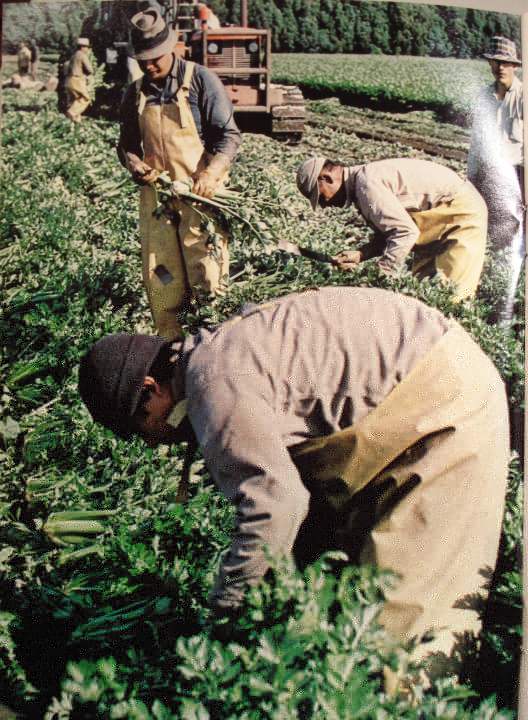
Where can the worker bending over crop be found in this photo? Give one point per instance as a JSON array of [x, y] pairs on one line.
[[176, 118], [412, 205], [339, 418], [79, 69]]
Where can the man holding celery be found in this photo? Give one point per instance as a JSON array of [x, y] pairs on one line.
[[177, 118]]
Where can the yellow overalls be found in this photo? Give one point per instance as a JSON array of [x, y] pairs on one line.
[[78, 97], [177, 255], [418, 488], [452, 241]]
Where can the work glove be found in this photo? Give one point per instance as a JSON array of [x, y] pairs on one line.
[[348, 260], [142, 174], [208, 180]]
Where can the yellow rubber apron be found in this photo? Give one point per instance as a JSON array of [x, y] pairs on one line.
[[78, 97], [423, 476], [177, 256], [452, 241]]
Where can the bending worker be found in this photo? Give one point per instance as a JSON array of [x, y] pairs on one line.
[[177, 118], [346, 418], [412, 205], [79, 69]]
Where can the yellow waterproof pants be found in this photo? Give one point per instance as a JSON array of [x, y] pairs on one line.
[[452, 241], [178, 259], [78, 98], [418, 488], [181, 257]]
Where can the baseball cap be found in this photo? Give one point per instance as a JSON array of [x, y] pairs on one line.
[[307, 174]]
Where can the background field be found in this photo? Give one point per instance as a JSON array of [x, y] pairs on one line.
[[120, 627], [444, 85]]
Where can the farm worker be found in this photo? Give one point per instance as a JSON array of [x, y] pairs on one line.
[[495, 161], [23, 59], [412, 205], [346, 418], [79, 68], [34, 58], [207, 19], [176, 118]]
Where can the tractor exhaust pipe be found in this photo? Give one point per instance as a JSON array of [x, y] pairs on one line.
[[243, 13]]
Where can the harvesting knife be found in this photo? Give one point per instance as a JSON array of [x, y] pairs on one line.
[[294, 249]]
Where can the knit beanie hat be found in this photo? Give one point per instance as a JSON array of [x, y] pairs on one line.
[[111, 378]]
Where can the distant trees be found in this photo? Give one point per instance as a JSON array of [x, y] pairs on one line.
[[53, 25], [325, 26], [374, 27]]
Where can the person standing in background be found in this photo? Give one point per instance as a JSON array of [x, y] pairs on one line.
[[495, 160], [23, 59], [33, 48], [79, 69]]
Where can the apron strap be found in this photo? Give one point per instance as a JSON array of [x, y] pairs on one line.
[[182, 96]]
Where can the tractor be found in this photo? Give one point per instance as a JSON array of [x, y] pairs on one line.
[[239, 55]]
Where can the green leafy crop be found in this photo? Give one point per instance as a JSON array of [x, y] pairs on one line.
[[112, 621]]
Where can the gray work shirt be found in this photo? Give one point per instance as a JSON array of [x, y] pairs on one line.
[[386, 191], [211, 109], [497, 130], [303, 366]]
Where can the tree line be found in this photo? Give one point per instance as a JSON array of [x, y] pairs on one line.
[[324, 26], [343, 26]]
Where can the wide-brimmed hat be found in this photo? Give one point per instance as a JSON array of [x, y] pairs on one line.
[[83, 42], [307, 174], [502, 49], [111, 378], [151, 36]]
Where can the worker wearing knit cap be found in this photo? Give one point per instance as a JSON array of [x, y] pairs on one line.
[[341, 418], [413, 206]]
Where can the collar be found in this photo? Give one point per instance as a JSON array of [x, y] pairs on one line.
[[350, 174], [514, 87]]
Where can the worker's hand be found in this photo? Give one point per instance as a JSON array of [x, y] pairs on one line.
[[347, 260], [141, 173], [208, 180]]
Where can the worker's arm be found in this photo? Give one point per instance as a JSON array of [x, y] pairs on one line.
[[349, 259], [382, 209], [86, 65], [220, 134], [130, 148], [245, 454]]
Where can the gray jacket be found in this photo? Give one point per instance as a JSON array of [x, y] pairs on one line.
[[300, 367]]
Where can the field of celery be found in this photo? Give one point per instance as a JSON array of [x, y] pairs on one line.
[[116, 624], [442, 84]]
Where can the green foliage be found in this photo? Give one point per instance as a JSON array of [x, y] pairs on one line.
[[402, 83], [120, 627], [53, 25], [312, 26]]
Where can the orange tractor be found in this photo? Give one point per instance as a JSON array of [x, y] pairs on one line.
[[239, 55]]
